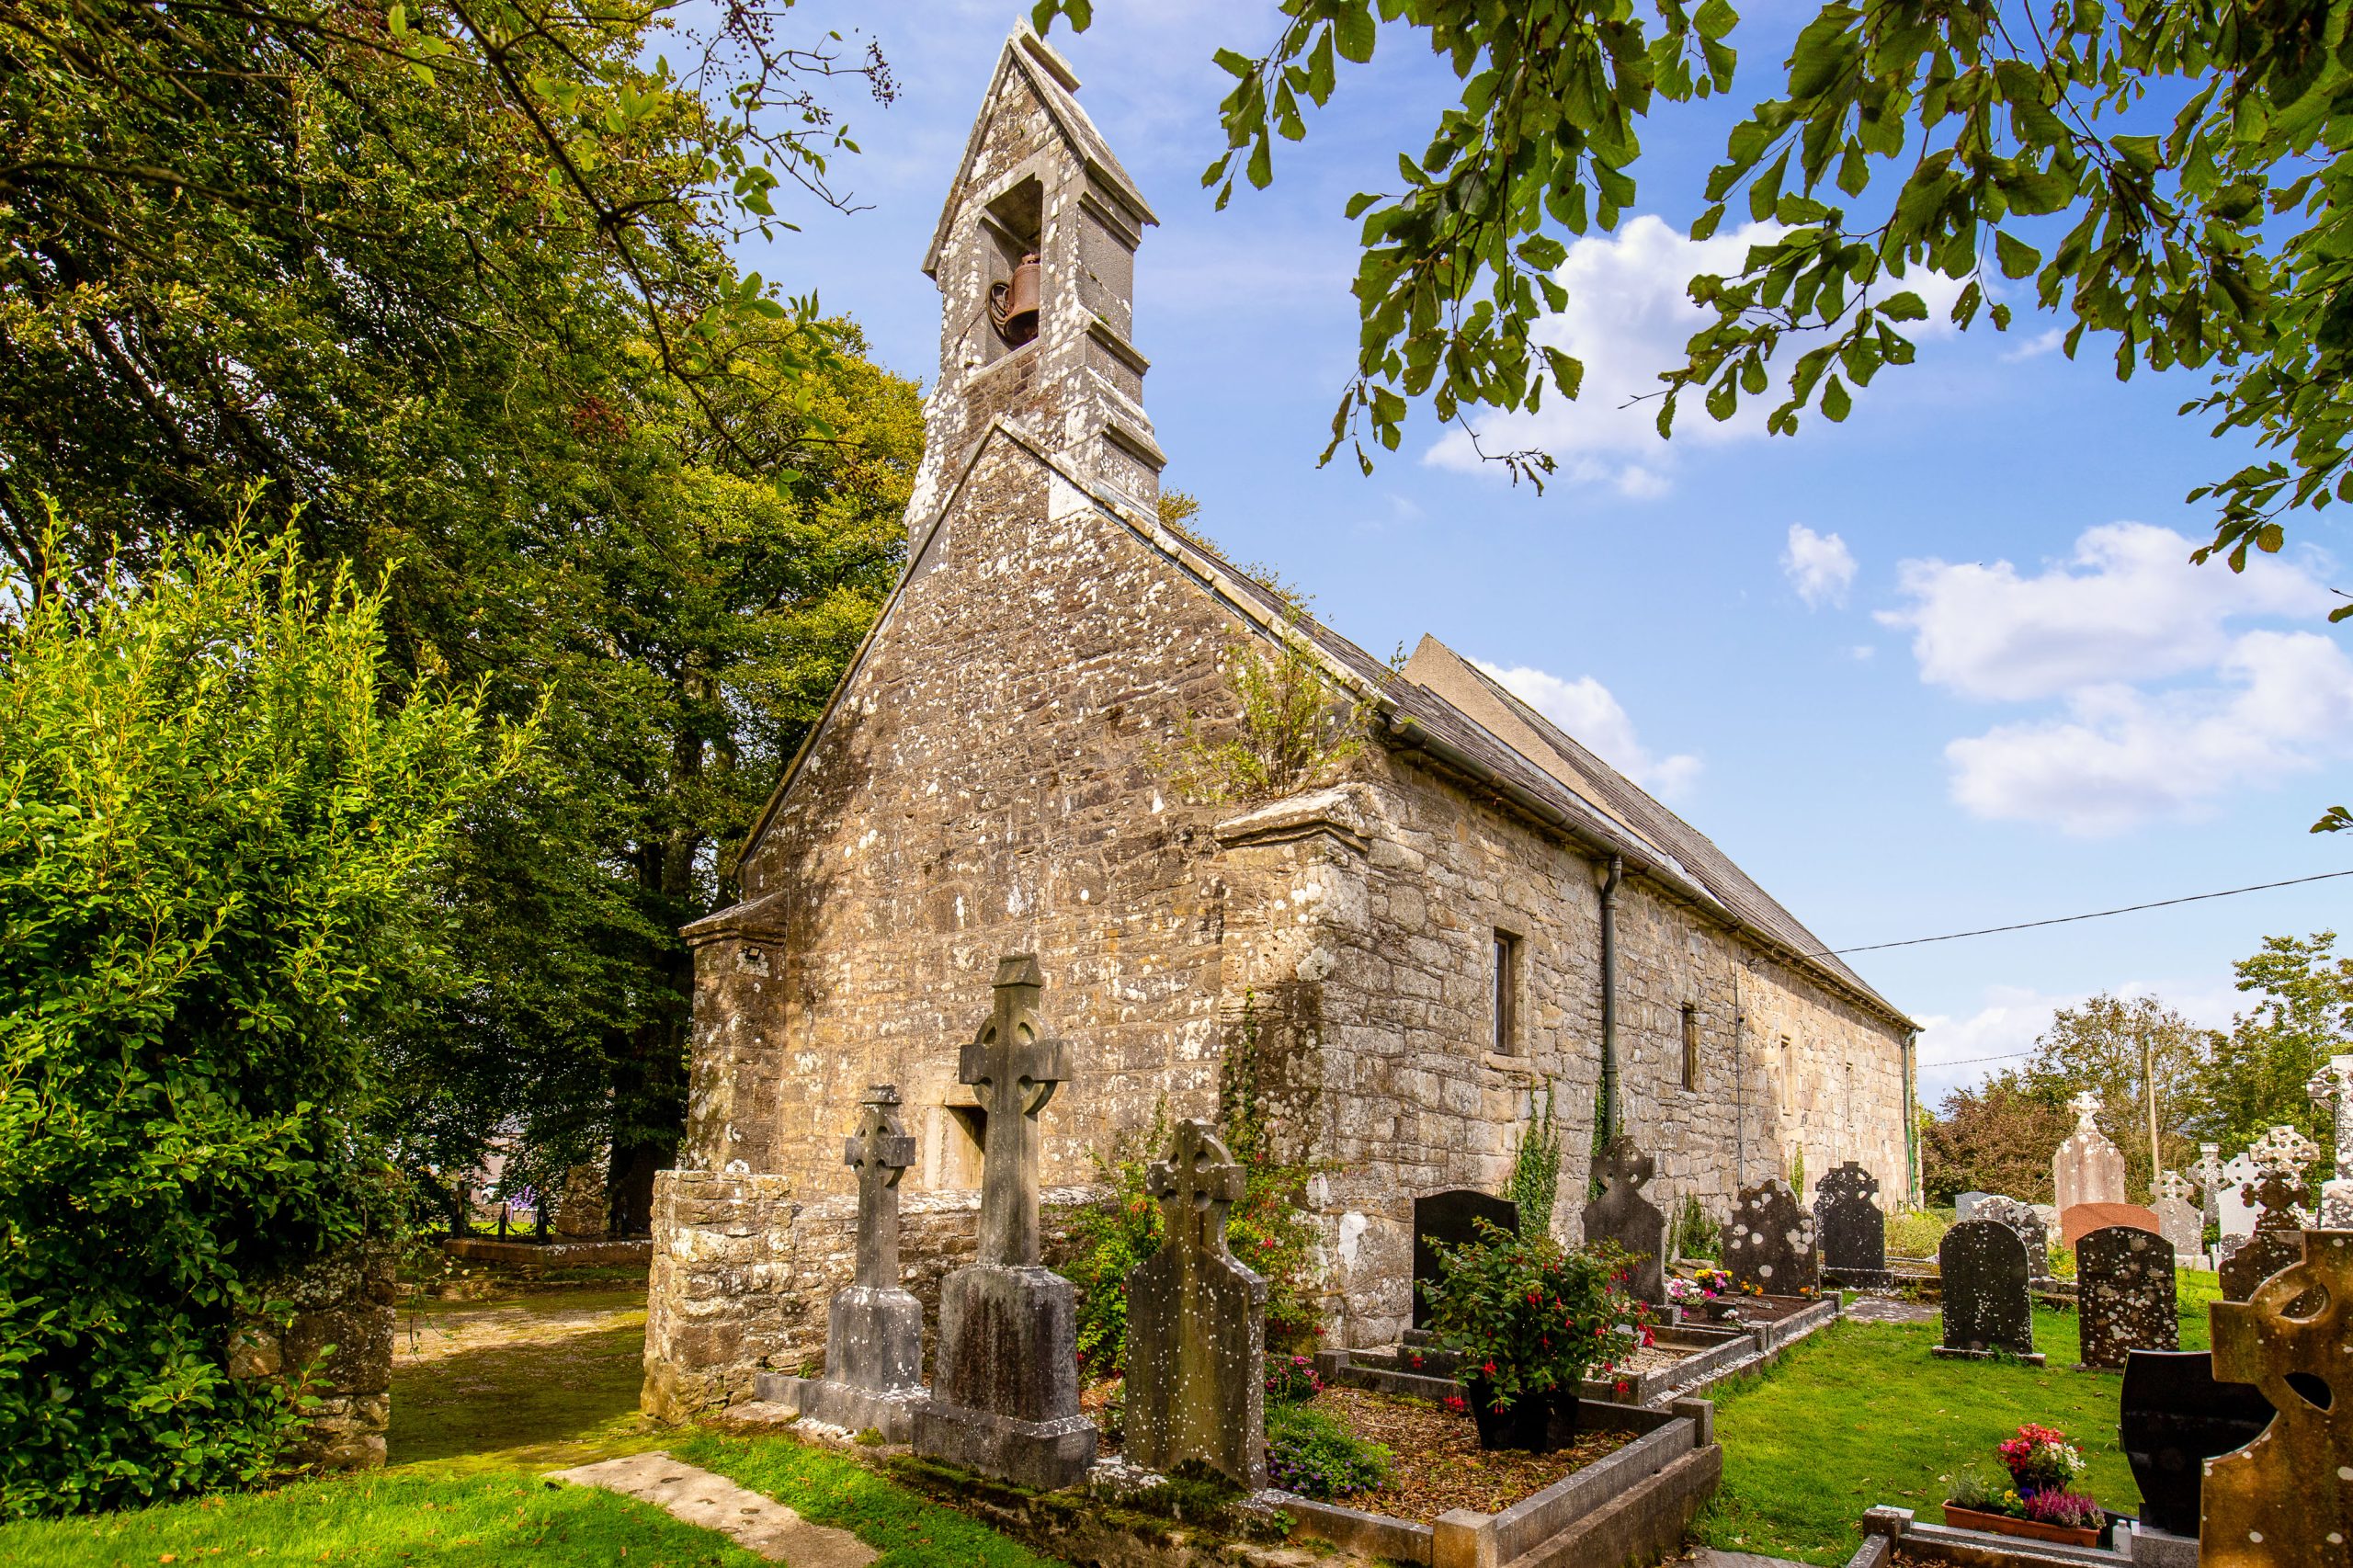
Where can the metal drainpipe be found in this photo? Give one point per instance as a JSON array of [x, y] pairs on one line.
[[1911, 1116], [1609, 1129]]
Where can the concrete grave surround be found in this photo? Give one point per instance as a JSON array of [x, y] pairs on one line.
[[992, 776], [1986, 1309], [1005, 1387], [2332, 1087], [1770, 1243], [2124, 1295], [874, 1329], [2286, 1499], [2088, 1168], [1197, 1325], [1852, 1228], [1451, 1219], [2023, 1219], [2172, 1416], [1623, 1215]]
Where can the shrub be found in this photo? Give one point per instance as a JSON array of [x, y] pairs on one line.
[[1528, 1316], [1915, 1233], [1312, 1454], [1535, 1181], [1697, 1234], [1291, 1379], [216, 830], [2071, 1509]]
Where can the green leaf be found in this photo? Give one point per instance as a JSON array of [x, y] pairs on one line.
[[1707, 223], [1232, 64], [1354, 31], [2017, 257], [1836, 402]]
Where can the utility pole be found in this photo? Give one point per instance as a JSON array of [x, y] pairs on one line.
[[2149, 1082]]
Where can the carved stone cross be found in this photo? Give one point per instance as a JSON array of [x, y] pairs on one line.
[[2284, 1151], [2208, 1172], [1196, 1184], [1013, 1071], [880, 1150], [1621, 1164], [2085, 1105], [2173, 1184], [2333, 1087]]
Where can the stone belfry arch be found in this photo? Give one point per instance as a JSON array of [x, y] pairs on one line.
[[1038, 181]]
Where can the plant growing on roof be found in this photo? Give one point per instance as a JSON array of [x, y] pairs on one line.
[[1292, 729]]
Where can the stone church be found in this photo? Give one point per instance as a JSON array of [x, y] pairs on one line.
[[1474, 905]]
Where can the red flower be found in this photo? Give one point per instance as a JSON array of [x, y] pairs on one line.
[[1489, 1368], [1621, 1386]]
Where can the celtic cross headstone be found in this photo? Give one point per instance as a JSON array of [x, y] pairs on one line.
[[2281, 1501], [1004, 1384], [1621, 1214], [1197, 1324], [2333, 1087], [873, 1328], [2276, 1240]]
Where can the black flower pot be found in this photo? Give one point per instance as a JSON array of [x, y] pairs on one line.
[[1525, 1423]]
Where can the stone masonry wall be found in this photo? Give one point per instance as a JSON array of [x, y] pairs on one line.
[[341, 1331]]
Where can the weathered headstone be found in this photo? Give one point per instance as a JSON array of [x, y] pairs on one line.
[[1770, 1243], [1005, 1386], [1964, 1207], [2173, 1416], [1986, 1310], [2022, 1219], [1197, 1325], [1623, 1215], [2088, 1168], [2124, 1294], [2333, 1087], [1851, 1228], [873, 1328], [2081, 1220], [2180, 1220], [2283, 1501], [2233, 1209], [580, 1212], [2208, 1174], [1451, 1217], [2275, 1242]]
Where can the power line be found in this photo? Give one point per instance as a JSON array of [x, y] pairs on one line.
[[2094, 914]]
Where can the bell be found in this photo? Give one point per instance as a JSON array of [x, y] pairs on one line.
[[1013, 304]]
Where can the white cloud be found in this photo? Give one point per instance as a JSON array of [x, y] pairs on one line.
[[2160, 702], [1589, 715], [2035, 347], [1628, 319], [1863, 653], [2127, 605], [1819, 566], [2121, 757]]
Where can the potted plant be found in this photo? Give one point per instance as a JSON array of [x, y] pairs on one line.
[[1530, 1320], [2033, 1500]]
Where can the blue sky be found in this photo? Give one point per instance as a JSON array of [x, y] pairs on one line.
[[1942, 667]]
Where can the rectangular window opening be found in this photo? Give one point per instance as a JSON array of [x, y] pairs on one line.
[[1507, 995], [967, 1135], [1690, 1046]]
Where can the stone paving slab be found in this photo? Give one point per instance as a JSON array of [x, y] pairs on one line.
[[1887, 1309], [755, 1522]]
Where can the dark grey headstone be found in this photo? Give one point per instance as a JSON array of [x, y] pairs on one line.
[[1770, 1243], [2124, 1294], [2173, 1416], [1987, 1310], [2031, 1231], [1852, 1230], [1451, 1217], [1621, 1214]]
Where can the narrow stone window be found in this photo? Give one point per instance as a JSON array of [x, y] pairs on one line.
[[1788, 1076], [1507, 994], [962, 1140], [1690, 1046]]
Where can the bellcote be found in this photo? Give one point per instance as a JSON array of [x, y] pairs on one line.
[[1035, 260]]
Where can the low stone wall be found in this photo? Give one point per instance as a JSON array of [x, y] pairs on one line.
[[343, 1321], [743, 1272], [531, 1256]]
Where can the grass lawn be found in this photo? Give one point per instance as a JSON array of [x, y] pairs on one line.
[[1861, 1413], [485, 1398]]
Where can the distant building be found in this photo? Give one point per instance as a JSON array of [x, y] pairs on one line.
[[1419, 946]]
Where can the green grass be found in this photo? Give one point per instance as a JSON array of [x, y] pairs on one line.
[[829, 1488], [385, 1520], [1860, 1413]]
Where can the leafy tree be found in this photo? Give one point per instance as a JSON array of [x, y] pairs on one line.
[[219, 831], [450, 280], [2097, 1046], [2170, 179], [1995, 1138], [2256, 1076]]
